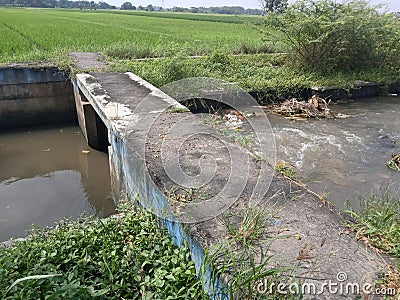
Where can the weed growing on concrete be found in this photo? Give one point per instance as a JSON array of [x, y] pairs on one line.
[[126, 256], [185, 195], [394, 162], [249, 228], [178, 109], [285, 169], [243, 273]]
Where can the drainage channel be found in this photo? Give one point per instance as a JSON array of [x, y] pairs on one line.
[[48, 174], [47, 170]]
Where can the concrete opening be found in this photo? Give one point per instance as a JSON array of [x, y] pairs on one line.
[[202, 105], [93, 128]]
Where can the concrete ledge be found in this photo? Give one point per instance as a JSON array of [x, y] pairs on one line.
[[17, 75], [361, 89]]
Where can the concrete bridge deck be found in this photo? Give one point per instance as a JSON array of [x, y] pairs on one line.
[[161, 155]]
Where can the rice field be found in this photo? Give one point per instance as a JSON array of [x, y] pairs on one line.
[[37, 34]]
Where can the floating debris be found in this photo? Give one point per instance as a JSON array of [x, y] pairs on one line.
[[315, 107], [394, 162]]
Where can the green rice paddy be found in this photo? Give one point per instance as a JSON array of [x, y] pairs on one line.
[[37, 34]]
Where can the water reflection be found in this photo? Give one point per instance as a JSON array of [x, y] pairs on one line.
[[48, 174]]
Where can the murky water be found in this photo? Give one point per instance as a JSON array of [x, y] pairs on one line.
[[46, 175], [344, 158]]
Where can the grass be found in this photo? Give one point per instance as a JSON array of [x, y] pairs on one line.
[[235, 19], [250, 228], [243, 273], [269, 74], [377, 221], [129, 257], [285, 169], [242, 263]]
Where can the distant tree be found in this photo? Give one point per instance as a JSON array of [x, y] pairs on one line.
[[140, 7], [149, 7], [278, 6], [126, 6], [104, 5]]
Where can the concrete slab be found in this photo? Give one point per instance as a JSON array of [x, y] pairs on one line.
[[88, 61]]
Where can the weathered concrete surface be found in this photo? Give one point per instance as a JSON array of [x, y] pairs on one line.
[[34, 97], [88, 61], [306, 235], [139, 118]]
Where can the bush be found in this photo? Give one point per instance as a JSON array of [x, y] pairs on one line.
[[328, 36]]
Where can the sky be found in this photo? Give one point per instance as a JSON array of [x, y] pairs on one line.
[[394, 5]]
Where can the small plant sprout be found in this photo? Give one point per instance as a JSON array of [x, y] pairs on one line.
[[285, 169]]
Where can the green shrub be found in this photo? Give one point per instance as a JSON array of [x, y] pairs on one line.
[[327, 35]]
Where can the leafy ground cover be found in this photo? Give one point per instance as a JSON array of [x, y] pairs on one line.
[[126, 257]]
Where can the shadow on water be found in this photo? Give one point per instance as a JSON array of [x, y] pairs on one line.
[[344, 158], [47, 174]]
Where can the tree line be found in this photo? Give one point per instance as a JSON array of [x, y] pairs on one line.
[[265, 6], [57, 4], [85, 4]]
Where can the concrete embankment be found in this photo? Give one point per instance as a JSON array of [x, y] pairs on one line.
[[31, 96]]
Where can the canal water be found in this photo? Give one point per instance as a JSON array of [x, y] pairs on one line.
[[343, 158], [47, 174]]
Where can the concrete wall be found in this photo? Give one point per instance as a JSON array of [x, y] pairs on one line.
[[102, 94], [31, 97]]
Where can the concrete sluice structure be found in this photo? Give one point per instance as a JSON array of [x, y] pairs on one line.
[[136, 123], [307, 235]]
